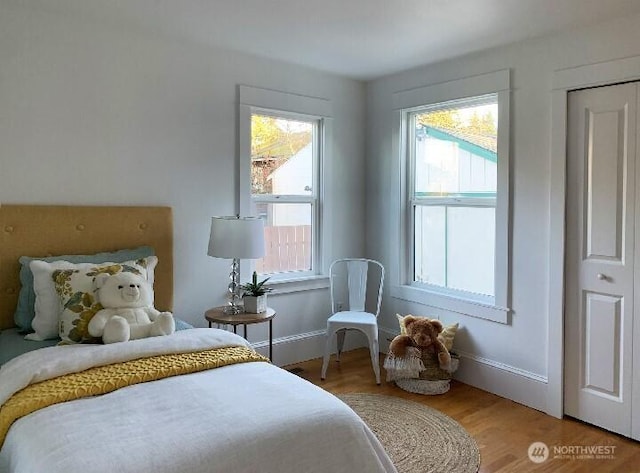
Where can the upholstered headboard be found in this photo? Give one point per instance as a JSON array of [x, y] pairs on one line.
[[43, 230]]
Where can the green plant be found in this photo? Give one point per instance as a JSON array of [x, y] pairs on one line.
[[255, 288]]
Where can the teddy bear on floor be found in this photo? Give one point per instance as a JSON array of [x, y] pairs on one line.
[[405, 351], [128, 312]]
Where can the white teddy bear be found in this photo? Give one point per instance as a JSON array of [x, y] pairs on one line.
[[128, 312]]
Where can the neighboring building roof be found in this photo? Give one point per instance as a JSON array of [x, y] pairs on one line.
[[485, 146]]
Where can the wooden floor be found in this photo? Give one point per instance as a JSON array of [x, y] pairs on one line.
[[502, 429]]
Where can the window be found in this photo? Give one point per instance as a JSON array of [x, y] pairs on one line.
[[284, 147], [284, 188], [453, 196], [453, 153]]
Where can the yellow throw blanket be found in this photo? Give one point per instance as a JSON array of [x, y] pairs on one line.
[[104, 379]]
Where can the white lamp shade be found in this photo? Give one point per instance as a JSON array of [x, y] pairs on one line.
[[236, 237]]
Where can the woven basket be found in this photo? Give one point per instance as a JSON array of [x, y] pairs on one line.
[[433, 380], [423, 386], [433, 372]]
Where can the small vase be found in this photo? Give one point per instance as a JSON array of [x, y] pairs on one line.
[[255, 304]]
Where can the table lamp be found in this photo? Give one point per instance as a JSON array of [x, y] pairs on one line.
[[236, 238]]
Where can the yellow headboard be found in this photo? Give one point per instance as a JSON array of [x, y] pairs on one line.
[[44, 230]]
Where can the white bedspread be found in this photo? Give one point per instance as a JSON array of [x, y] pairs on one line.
[[249, 417]]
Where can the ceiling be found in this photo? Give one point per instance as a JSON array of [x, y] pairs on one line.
[[362, 39]]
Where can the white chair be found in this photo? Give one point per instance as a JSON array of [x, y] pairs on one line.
[[352, 280]]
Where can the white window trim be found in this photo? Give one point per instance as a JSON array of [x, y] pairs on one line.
[[496, 308], [265, 101]]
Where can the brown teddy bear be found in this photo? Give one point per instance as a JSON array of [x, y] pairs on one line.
[[422, 334]]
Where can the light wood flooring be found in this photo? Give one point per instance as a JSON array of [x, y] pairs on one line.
[[503, 429]]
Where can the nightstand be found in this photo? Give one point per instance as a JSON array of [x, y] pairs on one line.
[[217, 316]]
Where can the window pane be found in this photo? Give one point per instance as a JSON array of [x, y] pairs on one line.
[[430, 247], [287, 236], [471, 249], [456, 150], [455, 247], [281, 156]]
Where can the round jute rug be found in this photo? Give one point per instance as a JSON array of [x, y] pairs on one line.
[[417, 438]]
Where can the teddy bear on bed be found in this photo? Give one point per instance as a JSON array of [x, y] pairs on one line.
[[406, 351], [128, 312]]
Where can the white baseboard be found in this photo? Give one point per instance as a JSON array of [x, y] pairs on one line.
[[304, 346], [293, 348], [506, 381], [498, 378]]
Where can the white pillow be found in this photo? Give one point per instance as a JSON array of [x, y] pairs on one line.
[[48, 306]]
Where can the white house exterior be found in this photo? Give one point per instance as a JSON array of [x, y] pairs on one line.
[[447, 164], [294, 177]]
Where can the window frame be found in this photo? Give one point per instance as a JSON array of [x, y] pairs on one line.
[[313, 199], [403, 286], [439, 201], [254, 100]]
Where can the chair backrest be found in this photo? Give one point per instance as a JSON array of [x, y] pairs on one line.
[[352, 280]]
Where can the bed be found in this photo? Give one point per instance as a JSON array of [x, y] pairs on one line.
[[205, 401]]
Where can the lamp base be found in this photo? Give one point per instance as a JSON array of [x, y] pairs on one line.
[[233, 290], [233, 310]]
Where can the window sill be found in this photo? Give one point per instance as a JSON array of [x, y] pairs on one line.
[[299, 284], [452, 303]]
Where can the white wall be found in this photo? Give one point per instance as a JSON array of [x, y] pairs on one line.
[[510, 360], [95, 114]]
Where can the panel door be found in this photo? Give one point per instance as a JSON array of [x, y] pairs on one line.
[[600, 258]]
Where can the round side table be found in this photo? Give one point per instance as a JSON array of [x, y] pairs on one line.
[[217, 316]]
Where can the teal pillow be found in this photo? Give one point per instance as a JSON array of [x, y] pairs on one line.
[[27, 298], [12, 344], [182, 325]]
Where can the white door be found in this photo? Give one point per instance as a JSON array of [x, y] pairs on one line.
[[602, 214]]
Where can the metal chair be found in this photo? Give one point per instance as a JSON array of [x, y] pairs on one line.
[[356, 294]]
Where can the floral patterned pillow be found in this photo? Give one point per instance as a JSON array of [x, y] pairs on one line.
[[77, 297]]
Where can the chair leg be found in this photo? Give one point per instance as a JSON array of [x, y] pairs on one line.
[[375, 357], [327, 355], [341, 337]]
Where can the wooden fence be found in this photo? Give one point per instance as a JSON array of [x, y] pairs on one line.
[[287, 248]]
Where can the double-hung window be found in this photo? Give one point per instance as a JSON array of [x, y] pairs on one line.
[[285, 143], [455, 186], [284, 188], [453, 153]]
